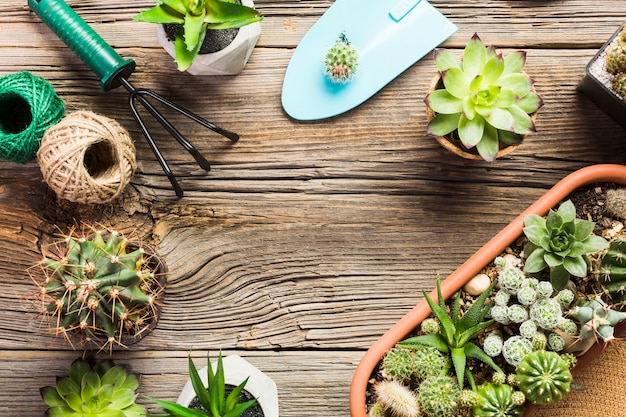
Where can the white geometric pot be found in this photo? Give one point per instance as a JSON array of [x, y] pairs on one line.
[[236, 370], [230, 60]]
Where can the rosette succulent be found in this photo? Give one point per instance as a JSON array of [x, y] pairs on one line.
[[194, 18], [560, 242], [486, 98], [103, 390]]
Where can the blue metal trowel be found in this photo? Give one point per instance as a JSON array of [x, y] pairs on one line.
[[389, 35]]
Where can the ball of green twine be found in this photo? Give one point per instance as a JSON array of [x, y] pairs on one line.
[[28, 107]]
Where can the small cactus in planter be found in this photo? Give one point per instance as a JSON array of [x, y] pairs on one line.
[[498, 400], [102, 390], [439, 396], [341, 61], [612, 274], [99, 290], [544, 377], [597, 320], [397, 398]]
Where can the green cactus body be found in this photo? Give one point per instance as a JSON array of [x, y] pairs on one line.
[[544, 377], [616, 59], [398, 363], [612, 273], [341, 61], [439, 396], [104, 390], [496, 401], [596, 319], [428, 362], [98, 290]]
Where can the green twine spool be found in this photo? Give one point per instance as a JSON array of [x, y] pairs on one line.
[[28, 107]]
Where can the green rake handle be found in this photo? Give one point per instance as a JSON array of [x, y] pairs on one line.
[[84, 42]]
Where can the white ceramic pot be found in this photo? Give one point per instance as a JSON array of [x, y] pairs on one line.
[[236, 370], [230, 60]]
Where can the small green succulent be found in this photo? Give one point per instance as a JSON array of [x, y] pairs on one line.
[[105, 390], [486, 98], [195, 17], [213, 398], [341, 61], [561, 242], [456, 332]]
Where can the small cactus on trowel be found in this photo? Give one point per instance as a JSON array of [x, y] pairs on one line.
[[341, 61], [96, 291]]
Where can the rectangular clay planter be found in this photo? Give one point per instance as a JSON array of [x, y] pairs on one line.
[[599, 93], [456, 280]]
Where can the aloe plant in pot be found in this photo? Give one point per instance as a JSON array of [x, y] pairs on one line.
[[551, 310], [186, 29], [481, 102]]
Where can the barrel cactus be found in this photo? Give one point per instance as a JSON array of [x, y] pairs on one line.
[[544, 377], [616, 59], [96, 291], [341, 61], [497, 400], [612, 271], [397, 398], [102, 390], [440, 396]]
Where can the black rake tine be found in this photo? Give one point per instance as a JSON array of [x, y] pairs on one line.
[[159, 156]]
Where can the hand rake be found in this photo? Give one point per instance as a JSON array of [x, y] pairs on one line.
[[113, 72]]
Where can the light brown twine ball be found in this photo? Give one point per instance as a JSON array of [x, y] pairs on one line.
[[87, 158]]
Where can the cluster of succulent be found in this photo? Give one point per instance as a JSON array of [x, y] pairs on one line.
[[95, 290], [535, 308], [616, 63], [562, 243], [486, 98], [104, 389], [341, 61]]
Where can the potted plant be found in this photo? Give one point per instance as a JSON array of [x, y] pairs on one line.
[[480, 106], [98, 289], [101, 389], [605, 77], [217, 389], [206, 37], [550, 312]]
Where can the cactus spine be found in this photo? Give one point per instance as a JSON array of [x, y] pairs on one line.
[[400, 400], [439, 396], [98, 290], [544, 377], [612, 269]]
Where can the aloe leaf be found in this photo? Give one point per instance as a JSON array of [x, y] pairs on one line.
[[447, 326], [473, 351], [160, 14], [240, 408], [459, 361], [185, 57], [478, 311], [226, 15], [178, 410], [196, 383], [434, 340], [468, 334]]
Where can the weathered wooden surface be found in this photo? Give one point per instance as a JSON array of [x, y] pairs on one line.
[[306, 241]]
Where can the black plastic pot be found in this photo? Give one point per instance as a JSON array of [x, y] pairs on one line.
[[600, 93]]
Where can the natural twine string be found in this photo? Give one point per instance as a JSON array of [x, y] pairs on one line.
[[28, 106], [87, 158]]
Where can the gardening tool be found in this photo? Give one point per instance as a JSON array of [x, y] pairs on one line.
[[389, 37], [113, 72]]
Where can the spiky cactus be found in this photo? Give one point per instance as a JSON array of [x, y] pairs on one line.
[[544, 377], [497, 400], [616, 198], [597, 320], [439, 396], [399, 399], [399, 363], [612, 271], [619, 84], [616, 59], [103, 390], [96, 291], [341, 61]]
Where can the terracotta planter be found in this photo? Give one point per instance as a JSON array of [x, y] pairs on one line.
[[456, 280], [236, 370], [596, 85], [230, 60], [454, 145]]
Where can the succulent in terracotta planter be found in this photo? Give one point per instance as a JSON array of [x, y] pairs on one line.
[[191, 20], [604, 82], [99, 289], [482, 101], [532, 333], [101, 389]]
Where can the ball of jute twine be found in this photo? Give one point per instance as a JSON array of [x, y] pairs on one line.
[[87, 158], [28, 106]]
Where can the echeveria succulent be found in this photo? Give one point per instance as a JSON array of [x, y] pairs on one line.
[[486, 98], [195, 17], [561, 242]]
